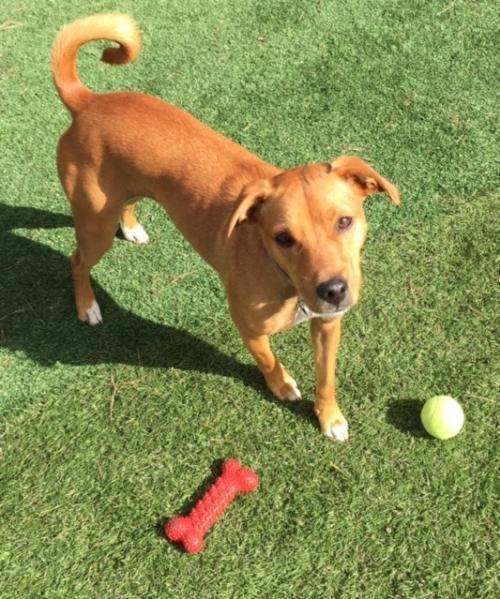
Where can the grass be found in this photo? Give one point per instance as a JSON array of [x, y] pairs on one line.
[[107, 432]]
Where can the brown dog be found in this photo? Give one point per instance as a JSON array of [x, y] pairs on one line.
[[286, 244]]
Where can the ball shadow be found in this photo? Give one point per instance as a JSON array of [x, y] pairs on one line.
[[404, 414]]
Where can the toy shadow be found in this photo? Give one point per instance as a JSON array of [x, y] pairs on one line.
[[37, 315]]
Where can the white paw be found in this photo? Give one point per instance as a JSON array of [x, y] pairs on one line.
[[94, 314], [294, 394], [135, 234], [338, 431]]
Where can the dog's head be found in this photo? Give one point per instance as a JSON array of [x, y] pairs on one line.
[[312, 223]]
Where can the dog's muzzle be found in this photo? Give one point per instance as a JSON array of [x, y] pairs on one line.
[[334, 292]]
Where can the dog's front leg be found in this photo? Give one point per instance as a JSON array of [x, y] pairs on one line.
[[325, 339], [277, 378]]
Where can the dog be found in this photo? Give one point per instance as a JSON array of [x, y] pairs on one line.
[[286, 243]]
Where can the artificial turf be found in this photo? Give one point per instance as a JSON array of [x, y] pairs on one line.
[[107, 432]]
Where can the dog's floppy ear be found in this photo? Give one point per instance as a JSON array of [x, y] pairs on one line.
[[248, 202], [364, 177]]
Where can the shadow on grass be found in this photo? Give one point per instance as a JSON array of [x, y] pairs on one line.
[[37, 316], [404, 414]]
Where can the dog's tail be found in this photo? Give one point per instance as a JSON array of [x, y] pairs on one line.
[[113, 27]]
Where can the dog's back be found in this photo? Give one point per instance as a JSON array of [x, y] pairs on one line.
[[144, 146]]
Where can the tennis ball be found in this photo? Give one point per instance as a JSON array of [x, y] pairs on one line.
[[442, 416]]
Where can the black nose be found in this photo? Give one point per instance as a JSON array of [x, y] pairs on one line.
[[332, 291]]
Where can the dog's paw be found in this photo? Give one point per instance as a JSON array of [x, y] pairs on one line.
[[135, 234], [94, 315], [336, 429], [282, 385], [339, 432], [290, 391]]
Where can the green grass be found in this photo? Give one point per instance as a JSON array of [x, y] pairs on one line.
[[107, 432]]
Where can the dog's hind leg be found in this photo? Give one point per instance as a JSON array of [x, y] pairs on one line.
[[94, 237], [96, 212], [131, 228]]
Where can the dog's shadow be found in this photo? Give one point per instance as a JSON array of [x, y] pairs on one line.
[[37, 315]]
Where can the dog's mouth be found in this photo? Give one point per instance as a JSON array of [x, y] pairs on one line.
[[327, 314], [327, 309], [330, 314], [334, 313]]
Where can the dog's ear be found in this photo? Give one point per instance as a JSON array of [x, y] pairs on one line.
[[364, 177], [248, 202]]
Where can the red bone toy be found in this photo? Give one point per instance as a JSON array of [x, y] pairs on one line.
[[190, 530]]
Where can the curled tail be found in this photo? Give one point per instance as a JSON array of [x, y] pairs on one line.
[[113, 27]]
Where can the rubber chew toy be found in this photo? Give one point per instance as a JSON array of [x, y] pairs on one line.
[[191, 529]]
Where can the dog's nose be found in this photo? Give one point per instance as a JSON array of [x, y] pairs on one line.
[[333, 291]]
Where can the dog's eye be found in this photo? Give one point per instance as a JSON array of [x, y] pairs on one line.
[[284, 239], [344, 223]]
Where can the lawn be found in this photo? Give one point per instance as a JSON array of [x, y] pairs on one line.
[[106, 432]]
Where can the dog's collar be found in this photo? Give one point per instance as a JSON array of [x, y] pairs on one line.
[[302, 313]]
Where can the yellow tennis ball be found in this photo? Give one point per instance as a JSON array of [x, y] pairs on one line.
[[442, 416]]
